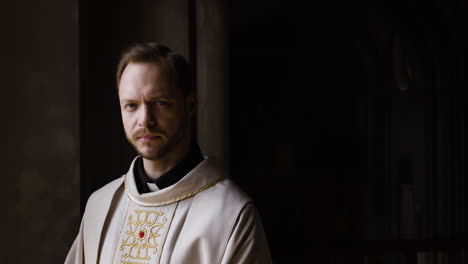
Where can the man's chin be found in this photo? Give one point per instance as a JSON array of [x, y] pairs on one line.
[[151, 153], [150, 156]]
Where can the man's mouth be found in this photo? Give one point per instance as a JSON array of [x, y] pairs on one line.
[[148, 137]]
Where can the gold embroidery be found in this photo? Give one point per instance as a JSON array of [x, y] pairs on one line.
[[133, 262], [142, 234]]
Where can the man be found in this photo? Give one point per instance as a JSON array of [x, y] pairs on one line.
[[174, 205]]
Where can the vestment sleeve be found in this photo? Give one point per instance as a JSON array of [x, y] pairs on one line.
[[247, 242], [76, 253]]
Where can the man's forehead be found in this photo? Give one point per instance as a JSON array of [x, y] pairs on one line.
[[145, 78], [142, 70], [147, 92]]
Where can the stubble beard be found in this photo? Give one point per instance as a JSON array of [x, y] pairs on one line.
[[161, 151]]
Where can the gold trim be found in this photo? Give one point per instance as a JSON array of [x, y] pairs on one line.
[[167, 232], [183, 197], [120, 233]]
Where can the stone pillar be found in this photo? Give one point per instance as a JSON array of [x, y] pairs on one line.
[[212, 65], [167, 22]]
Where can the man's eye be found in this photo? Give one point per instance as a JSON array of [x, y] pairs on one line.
[[130, 106], [162, 103]]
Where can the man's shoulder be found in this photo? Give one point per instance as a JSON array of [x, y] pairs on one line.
[[222, 189], [106, 192], [226, 194]]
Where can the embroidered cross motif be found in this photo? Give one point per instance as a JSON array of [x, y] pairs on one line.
[[142, 233]]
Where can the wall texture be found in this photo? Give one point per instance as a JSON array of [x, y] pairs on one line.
[[39, 132], [213, 79]]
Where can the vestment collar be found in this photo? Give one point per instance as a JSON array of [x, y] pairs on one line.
[[203, 176]]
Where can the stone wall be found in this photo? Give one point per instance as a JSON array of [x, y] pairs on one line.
[[39, 132]]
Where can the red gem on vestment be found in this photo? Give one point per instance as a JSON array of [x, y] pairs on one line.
[[141, 234]]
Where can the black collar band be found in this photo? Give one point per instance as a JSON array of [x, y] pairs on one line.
[[193, 158]]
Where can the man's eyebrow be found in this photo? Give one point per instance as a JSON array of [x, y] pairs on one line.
[[124, 100], [152, 98], [159, 95]]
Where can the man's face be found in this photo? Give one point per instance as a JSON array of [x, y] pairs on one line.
[[154, 112]]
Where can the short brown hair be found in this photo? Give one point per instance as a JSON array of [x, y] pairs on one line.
[[178, 68]]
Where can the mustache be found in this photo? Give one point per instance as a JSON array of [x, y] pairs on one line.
[[146, 131]]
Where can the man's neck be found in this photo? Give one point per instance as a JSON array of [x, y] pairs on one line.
[[155, 168]]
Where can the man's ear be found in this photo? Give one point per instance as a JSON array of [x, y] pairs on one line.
[[191, 101]]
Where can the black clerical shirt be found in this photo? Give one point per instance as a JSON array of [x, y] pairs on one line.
[[193, 158]]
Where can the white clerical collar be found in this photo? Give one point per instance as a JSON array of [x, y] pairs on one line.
[[152, 186]]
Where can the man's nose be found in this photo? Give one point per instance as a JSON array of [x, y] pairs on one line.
[[146, 117]]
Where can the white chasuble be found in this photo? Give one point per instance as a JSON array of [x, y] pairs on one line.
[[202, 219]]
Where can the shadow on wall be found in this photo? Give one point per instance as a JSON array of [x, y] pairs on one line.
[[40, 143]]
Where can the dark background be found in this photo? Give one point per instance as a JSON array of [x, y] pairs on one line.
[[346, 122], [348, 128]]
